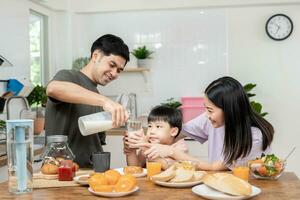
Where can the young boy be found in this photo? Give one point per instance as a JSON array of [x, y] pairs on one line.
[[164, 124]]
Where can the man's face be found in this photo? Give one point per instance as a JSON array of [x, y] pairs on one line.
[[106, 68]]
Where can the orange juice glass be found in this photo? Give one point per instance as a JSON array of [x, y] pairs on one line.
[[241, 172], [153, 168]]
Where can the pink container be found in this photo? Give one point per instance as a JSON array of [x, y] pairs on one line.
[[192, 101], [190, 112]]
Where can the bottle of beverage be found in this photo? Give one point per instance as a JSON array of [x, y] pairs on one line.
[[19, 155], [94, 123]]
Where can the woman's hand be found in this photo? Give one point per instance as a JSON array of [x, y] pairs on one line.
[[154, 151]]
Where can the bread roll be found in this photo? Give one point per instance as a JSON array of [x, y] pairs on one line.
[[228, 183], [166, 175], [48, 168], [183, 175], [132, 170]]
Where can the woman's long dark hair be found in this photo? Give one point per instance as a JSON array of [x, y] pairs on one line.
[[229, 95]]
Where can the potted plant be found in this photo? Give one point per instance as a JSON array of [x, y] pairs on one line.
[[257, 107], [142, 54], [171, 103], [79, 63], [37, 100]]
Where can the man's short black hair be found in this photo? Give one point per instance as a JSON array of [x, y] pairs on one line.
[[172, 116], [110, 44]]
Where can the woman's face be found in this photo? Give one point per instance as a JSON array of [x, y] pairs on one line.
[[214, 113]]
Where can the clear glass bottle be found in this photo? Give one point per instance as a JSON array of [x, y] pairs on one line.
[[57, 148]]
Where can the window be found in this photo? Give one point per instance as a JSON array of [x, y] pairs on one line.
[[38, 47]]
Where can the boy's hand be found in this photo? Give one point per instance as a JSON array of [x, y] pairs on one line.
[[156, 150], [136, 138], [126, 149]]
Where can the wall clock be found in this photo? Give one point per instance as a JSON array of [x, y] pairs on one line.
[[279, 27]]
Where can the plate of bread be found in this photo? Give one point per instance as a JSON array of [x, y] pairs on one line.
[[136, 171], [181, 174], [221, 186]]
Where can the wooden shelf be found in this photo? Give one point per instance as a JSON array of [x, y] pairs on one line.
[[136, 70]]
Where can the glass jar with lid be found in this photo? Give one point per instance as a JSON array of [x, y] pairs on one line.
[[57, 148]]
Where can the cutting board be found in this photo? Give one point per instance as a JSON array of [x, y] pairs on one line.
[[47, 181]]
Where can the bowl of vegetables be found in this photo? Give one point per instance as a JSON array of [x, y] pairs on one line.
[[267, 167]]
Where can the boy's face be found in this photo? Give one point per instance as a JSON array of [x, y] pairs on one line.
[[161, 132], [106, 68]]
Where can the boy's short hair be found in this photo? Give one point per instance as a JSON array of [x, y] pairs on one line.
[[110, 44], [172, 116]]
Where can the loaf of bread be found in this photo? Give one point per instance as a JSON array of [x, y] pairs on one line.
[[48, 168], [132, 170], [228, 183], [166, 175]]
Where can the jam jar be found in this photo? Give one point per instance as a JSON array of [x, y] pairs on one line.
[[59, 154]]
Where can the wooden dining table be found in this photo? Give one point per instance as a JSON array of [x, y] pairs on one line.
[[287, 187]]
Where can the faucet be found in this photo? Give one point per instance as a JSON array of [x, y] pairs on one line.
[[10, 100]]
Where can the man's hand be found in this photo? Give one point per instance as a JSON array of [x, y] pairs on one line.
[[118, 112]]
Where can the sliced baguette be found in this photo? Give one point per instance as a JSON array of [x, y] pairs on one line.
[[183, 175], [198, 175], [166, 175], [228, 183]]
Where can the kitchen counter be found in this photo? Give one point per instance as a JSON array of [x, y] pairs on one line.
[[286, 187]]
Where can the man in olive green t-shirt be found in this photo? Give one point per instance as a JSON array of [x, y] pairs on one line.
[[72, 94]]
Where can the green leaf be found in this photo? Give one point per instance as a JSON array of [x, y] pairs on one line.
[[256, 107], [248, 87], [250, 95]]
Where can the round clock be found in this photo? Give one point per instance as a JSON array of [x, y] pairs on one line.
[[279, 27]]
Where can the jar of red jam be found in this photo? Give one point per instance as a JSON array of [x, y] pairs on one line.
[[66, 170]]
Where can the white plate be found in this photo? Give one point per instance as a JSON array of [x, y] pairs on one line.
[[210, 193], [113, 194], [81, 182], [120, 170], [177, 185]]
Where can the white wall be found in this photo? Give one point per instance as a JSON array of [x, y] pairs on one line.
[[187, 55], [14, 39], [274, 66]]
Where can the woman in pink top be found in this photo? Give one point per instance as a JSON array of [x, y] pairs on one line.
[[234, 132]]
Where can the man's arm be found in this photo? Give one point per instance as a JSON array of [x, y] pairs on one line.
[[72, 93]]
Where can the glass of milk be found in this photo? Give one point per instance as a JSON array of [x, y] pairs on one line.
[[133, 126], [94, 123]]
